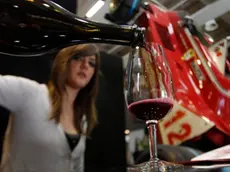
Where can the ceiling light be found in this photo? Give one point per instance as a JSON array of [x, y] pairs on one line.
[[95, 8]]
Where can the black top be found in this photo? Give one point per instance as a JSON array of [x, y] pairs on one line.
[[73, 140]]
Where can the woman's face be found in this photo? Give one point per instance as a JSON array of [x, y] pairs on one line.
[[81, 71]]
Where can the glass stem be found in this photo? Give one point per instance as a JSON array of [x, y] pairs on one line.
[[152, 130]]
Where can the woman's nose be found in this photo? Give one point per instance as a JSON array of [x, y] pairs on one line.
[[85, 63]]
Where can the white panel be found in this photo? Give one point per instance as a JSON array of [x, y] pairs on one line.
[[181, 125], [211, 11]]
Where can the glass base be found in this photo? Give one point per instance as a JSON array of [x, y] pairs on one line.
[[156, 166]]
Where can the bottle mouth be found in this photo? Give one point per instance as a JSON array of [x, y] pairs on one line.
[[139, 36]]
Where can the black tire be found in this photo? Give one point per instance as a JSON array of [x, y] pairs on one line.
[[171, 154]]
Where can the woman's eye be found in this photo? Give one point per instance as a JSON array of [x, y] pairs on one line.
[[80, 58], [92, 63]]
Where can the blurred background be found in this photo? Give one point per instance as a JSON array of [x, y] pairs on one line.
[[210, 16]]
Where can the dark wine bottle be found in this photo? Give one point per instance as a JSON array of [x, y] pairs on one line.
[[35, 27]]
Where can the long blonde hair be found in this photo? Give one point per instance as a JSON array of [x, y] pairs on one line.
[[85, 101], [6, 143]]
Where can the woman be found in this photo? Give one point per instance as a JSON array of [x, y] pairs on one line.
[[50, 123]]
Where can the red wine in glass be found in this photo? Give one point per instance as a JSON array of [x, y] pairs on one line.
[[151, 109], [150, 96]]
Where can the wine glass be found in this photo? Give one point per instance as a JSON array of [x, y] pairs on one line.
[[150, 98]]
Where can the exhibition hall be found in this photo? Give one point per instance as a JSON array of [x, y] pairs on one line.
[[114, 85]]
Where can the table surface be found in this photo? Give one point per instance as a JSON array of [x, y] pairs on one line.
[[207, 169]]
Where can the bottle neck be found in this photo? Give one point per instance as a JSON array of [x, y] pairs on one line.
[[111, 34]]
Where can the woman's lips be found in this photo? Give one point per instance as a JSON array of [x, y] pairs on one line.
[[81, 74]]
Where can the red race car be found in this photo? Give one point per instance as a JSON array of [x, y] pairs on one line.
[[200, 71]]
